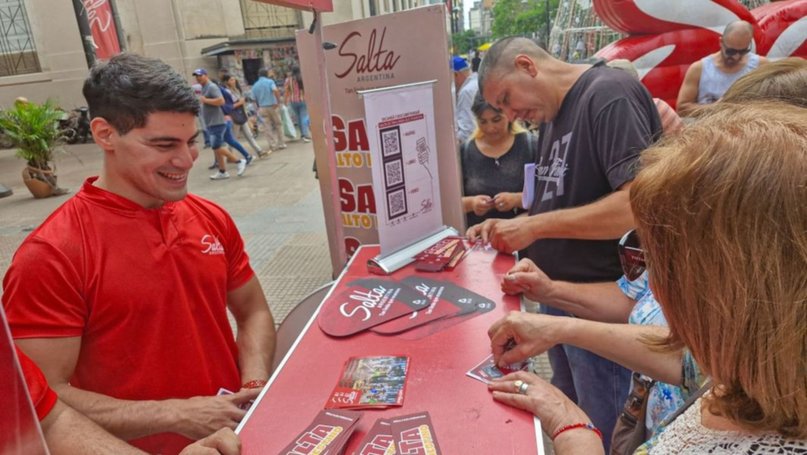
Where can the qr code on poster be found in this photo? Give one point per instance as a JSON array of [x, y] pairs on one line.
[[396, 203], [391, 141], [393, 173]]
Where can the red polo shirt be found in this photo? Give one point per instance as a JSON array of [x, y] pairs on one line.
[[145, 289]]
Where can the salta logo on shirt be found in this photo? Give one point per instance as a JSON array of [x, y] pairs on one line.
[[211, 245]]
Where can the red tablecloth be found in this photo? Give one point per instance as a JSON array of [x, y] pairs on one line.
[[465, 417]]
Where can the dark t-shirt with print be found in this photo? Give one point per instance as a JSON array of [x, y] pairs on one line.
[[588, 151]]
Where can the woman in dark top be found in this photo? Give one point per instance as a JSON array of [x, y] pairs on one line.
[[493, 165]]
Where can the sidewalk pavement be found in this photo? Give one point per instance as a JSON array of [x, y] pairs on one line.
[[276, 206]]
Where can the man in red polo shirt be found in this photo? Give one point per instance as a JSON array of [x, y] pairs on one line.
[[134, 276]]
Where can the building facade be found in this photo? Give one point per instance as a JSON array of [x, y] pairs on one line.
[[42, 54], [42, 49]]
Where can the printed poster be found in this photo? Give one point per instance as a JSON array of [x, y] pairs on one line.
[[402, 142]]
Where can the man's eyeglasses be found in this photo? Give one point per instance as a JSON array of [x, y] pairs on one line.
[[631, 256], [731, 52]]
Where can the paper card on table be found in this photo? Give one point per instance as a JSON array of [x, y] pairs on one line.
[[438, 307], [414, 435], [325, 433], [366, 303], [440, 255], [370, 382], [378, 441], [440, 248], [528, 191], [487, 370], [338, 445]]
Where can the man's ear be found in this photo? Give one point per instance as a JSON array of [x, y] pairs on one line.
[[102, 132], [525, 63]]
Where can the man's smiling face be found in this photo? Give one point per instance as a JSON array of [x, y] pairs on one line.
[[150, 165]]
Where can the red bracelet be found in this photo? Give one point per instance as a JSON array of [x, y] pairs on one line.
[[254, 384], [574, 426]]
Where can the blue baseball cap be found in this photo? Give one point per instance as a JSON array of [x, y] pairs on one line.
[[458, 63], [199, 72]]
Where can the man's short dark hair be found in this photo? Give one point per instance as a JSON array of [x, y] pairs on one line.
[[263, 72], [125, 89], [503, 52]]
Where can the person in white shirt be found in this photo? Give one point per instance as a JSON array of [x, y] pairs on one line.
[[466, 84]]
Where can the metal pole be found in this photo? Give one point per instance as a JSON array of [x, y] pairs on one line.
[[118, 29], [85, 32]]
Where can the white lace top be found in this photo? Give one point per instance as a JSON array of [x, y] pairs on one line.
[[687, 435]]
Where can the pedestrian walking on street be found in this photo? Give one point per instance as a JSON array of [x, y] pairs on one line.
[[268, 98], [294, 95], [238, 113], [216, 125]]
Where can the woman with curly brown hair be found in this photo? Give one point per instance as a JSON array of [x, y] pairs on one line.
[[721, 211]]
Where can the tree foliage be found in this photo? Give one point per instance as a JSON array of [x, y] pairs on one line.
[[522, 18], [465, 41]]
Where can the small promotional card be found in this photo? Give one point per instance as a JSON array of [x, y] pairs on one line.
[[487, 370], [367, 303], [328, 433], [378, 441], [444, 254], [414, 435], [370, 383]]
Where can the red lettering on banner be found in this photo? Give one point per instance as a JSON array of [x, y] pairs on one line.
[[376, 59], [359, 198], [352, 136]]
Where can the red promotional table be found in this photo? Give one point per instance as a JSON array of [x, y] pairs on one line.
[[465, 417]]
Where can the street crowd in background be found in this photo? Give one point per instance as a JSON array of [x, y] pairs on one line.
[[276, 109], [669, 255]]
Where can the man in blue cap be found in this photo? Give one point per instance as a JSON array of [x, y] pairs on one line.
[[466, 85]]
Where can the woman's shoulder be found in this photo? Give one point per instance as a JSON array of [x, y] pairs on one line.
[[686, 434]]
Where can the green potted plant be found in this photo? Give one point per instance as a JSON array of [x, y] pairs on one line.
[[34, 130]]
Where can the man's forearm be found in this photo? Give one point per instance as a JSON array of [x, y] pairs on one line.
[[67, 431], [256, 346], [623, 344], [125, 419], [595, 301], [606, 219]]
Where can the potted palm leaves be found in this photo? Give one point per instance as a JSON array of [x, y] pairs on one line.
[[33, 129]]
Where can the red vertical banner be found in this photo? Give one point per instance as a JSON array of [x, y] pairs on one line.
[[98, 14]]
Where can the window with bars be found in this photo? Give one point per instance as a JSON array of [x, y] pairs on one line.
[[262, 20], [17, 50]]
